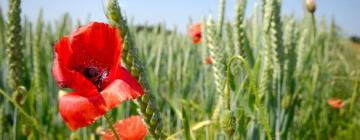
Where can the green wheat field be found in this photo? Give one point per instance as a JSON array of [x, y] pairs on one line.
[[270, 77]]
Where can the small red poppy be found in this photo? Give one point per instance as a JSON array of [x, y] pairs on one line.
[[335, 103], [89, 62], [131, 128], [208, 60], [195, 33]]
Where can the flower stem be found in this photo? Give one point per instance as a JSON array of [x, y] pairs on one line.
[[108, 121], [313, 22]]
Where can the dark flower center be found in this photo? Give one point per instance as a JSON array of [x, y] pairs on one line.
[[91, 72], [96, 76], [198, 35]]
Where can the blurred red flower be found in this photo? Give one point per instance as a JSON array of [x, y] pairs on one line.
[[89, 62], [209, 60], [335, 103], [195, 33], [131, 128]]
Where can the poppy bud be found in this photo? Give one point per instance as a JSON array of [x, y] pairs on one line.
[[311, 6]]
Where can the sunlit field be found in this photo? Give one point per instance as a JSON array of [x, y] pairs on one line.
[[266, 76]]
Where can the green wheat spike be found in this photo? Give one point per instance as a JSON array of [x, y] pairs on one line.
[[333, 35], [216, 54], [221, 16], [274, 41], [62, 27], [230, 47], [263, 9], [273, 65], [146, 103], [275, 36], [301, 52], [36, 53], [290, 41], [255, 29], [267, 52], [2, 36], [14, 44], [242, 41]]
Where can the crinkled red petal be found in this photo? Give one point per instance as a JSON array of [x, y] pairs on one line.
[[195, 30], [64, 76], [80, 111], [131, 128], [196, 40], [335, 103], [95, 44]]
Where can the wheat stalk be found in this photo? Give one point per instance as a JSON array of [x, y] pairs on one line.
[[147, 107]]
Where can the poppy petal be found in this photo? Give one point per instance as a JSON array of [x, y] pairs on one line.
[[196, 40], [209, 60], [64, 76], [131, 128], [80, 111], [336, 103], [195, 30], [195, 33], [89, 43], [70, 79], [124, 88], [124, 75], [62, 51]]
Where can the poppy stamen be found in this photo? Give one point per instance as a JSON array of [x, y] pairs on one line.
[[100, 80]]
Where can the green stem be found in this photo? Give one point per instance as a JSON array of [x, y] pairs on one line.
[[257, 97], [227, 87], [108, 121], [313, 22]]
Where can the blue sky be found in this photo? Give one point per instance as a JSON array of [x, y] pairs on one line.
[[178, 12]]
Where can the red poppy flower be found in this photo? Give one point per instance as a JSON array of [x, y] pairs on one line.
[[208, 60], [195, 33], [335, 103], [131, 128], [89, 62]]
